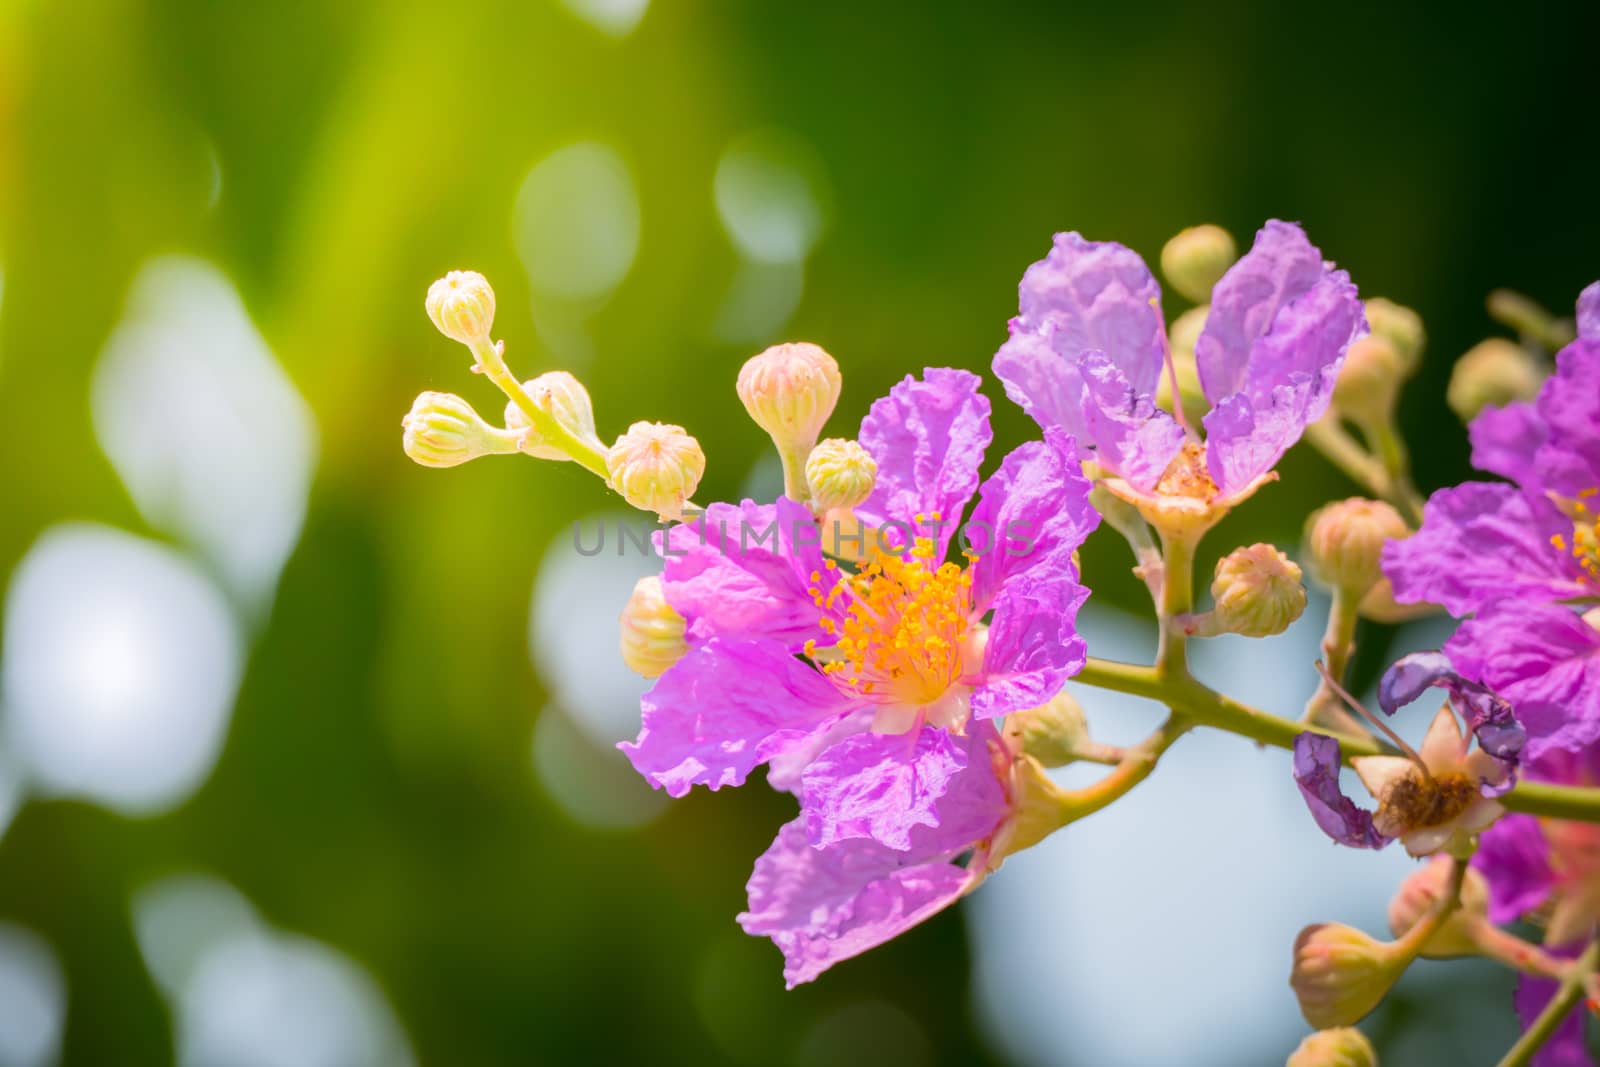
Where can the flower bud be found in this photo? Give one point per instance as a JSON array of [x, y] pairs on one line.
[[1419, 894], [1038, 806], [840, 474], [1196, 260], [652, 632], [1344, 541], [1369, 381], [1530, 320], [1492, 373], [1182, 336], [1401, 327], [442, 430], [656, 467], [565, 398], [1052, 733], [1258, 592], [461, 305], [1340, 974], [1343, 1046], [790, 390]]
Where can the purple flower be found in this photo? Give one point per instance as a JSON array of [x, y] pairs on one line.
[[1567, 1047], [1524, 558], [1427, 798], [1087, 352]]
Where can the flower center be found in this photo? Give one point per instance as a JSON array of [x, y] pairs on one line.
[[1418, 803], [905, 623], [1187, 475], [1584, 545]]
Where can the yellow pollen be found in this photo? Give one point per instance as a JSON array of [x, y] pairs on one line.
[[1187, 474], [904, 624], [1585, 543]]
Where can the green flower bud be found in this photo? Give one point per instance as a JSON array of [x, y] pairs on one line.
[[1344, 542], [1369, 381], [1493, 373], [1340, 974], [1531, 321], [442, 430], [656, 467], [1257, 591], [1343, 1046], [1196, 259], [1401, 327], [839, 474], [652, 632], [1052, 733], [461, 305], [565, 398], [790, 390], [1419, 894]]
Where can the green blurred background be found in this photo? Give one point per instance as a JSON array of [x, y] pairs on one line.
[[657, 192]]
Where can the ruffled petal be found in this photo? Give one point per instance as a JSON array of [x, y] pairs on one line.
[[1316, 772], [1506, 441], [725, 708], [744, 571], [879, 786], [1279, 325], [928, 437], [1569, 405], [1097, 295], [822, 906], [1567, 1047], [1032, 515], [1589, 313], [1481, 542], [1545, 660], [785, 769], [1488, 715], [1514, 859], [1033, 644]]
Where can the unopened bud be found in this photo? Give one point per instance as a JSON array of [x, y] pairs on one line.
[[1196, 259], [442, 430], [1419, 895], [840, 474], [1340, 974], [1401, 327], [1369, 381], [790, 390], [1343, 1046], [1258, 592], [461, 305], [656, 467], [565, 398], [1344, 542], [1379, 605], [1052, 733], [1493, 373], [1038, 806], [652, 632]]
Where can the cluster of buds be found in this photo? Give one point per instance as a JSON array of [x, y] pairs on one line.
[[790, 390], [654, 466]]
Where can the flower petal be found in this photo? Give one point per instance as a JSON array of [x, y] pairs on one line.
[[744, 571], [1279, 325], [1545, 660], [1032, 515], [726, 707], [1569, 404], [1506, 441], [928, 437], [1514, 859], [1589, 313], [1033, 644], [822, 906], [1567, 1047], [879, 786], [1488, 715], [1316, 772], [1481, 542]]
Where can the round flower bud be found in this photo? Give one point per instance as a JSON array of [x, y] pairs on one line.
[[461, 305], [442, 430], [1418, 895], [1495, 372], [840, 474], [1343, 1046], [1340, 974], [656, 467], [1369, 381], [1196, 259], [1052, 733], [1344, 542], [564, 397], [790, 390], [1258, 592], [1401, 327], [652, 633]]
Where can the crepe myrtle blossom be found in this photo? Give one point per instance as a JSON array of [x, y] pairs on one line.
[[1523, 558], [1087, 351], [1434, 796]]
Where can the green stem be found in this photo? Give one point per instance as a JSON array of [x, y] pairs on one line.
[[1177, 599], [1391, 451], [1566, 998], [1135, 766], [493, 366], [1338, 644]]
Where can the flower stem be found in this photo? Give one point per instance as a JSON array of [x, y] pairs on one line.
[[1177, 599], [1135, 766], [493, 366], [1509, 949], [1566, 998], [1338, 644]]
